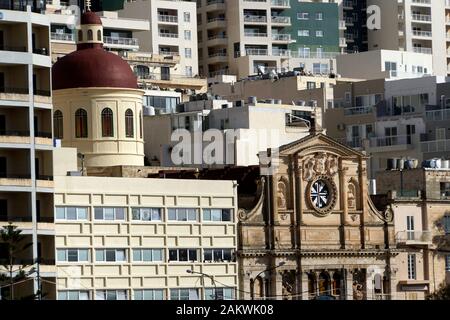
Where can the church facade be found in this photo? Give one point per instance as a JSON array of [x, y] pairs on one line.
[[313, 232]]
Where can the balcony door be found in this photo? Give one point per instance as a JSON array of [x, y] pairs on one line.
[[3, 167], [3, 209], [165, 73], [410, 131], [2, 124], [410, 227]]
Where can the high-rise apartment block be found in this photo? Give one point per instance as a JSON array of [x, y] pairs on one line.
[[26, 144]]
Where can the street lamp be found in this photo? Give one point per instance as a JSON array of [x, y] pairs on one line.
[[252, 283], [205, 275]]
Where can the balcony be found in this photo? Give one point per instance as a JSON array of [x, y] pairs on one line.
[[281, 52], [422, 50], [342, 42], [414, 237], [65, 37], [167, 18], [422, 34], [281, 20], [421, 17], [256, 52], [435, 146], [255, 34], [314, 55], [342, 25], [358, 110], [280, 3], [15, 136], [168, 35], [281, 37], [402, 141], [15, 180], [421, 2], [255, 19], [118, 42], [36, 6]]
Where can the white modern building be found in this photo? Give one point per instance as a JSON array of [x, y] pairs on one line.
[[173, 30], [26, 144], [123, 238]]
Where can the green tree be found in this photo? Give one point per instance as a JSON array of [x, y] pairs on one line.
[[443, 293], [12, 240]]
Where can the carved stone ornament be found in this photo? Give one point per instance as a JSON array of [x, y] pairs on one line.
[[320, 164]]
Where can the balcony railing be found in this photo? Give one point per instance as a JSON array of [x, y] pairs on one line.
[[422, 50], [14, 90], [358, 110], [63, 36], [121, 41], [21, 5], [169, 53], [256, 52], [5, 175], [168, 35], [255, 34], [220, 19], [413, 236], [255, 19], [437, 115], [281, 19], [419, 33], [435, 146], [422, 1], [421, 17], [390, 141], [167, 18], [25, 219], [280, 3], [281, 37], [14, 133]]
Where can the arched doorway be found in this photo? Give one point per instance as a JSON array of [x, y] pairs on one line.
[[324, 284]]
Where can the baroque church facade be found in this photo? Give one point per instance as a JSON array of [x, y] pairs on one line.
[[313, 231]]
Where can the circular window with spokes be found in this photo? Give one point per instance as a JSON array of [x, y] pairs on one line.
[[322, 195]]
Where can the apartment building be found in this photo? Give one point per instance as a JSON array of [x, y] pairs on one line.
[[246, 128], [26, 144], [241, 38], [354, 14], [173, 31], [419, 199], [391, 119], [415, 26], [124, 238]]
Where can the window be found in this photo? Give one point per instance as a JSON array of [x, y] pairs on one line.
[[447, 224], [445, 189], [182, 214], [319, 16], [141, 131], [440, 133], [447, 263], [303, 33], [99, 35], [146, 214], [71, 213], [391, 67], [129, 123], [217, 214], [410, 227], [188, 52], [187, 17], [73, 295], [81, 125], [218, 255], [304, 52], [58, 124], [219, 294], [149, 294], [167, 104], [107, 123], [411, 266], [110, 255], [182, 255], [187, 35], [319, 33], [109, 213], [111, 295], [302, 15], [310, 85], [188, 71], [80, 35], [320, 68], [184, 294], [72, 255], [319, 52], [90, 35], [147, 255]]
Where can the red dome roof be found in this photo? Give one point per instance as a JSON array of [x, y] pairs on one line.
[[90, 18], [92, 67]]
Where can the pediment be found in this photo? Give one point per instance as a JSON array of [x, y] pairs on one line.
[[318, 143]]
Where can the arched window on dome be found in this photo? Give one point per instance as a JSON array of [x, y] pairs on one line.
[[81, 124], [129, 124], [58, 124], [90, 35], [107, 123], [80, 35], [99, 35], [141, 123]]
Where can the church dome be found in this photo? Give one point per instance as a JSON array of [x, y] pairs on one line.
[[91, 65]]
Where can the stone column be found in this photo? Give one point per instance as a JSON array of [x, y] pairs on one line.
[[304, 285], [277, 288], [369, 286], [348, 278]]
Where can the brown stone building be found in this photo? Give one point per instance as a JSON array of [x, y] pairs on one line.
[[312, 231]]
